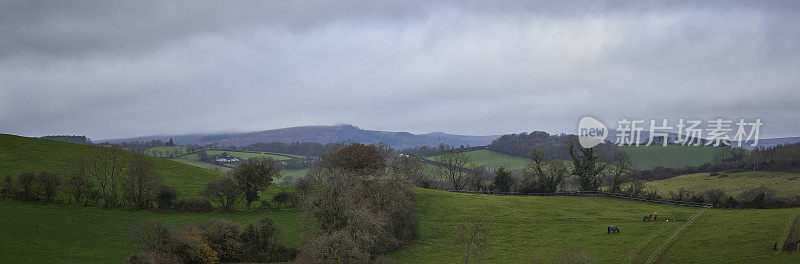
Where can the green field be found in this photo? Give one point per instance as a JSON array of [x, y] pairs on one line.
[[21, 154], [33, 233], [785, 184], [648, 157], [523, 229], [164, 151], [193, 159], [246, 155], [493, 160], [537, 229]]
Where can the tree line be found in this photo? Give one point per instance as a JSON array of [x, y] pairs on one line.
[[779, 158]]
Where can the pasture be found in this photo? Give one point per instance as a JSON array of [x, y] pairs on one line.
[[247, 155], [648, 157], [785, 184], [537, 229], [21, 154]]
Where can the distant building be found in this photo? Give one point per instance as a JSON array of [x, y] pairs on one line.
[[227, 159]]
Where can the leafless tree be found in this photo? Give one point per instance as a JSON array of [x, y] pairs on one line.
[[454, 167], [619, 171], [474, 237], [140, 182], [106, 166]]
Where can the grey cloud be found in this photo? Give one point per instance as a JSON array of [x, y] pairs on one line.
[[115, 70]]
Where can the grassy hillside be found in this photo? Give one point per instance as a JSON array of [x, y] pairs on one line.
[[21, 154], [669, 156], [33, 233], [246, 155], [493, 160], [537, 229], [785, 184]]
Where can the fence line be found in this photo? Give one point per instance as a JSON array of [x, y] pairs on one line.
[[632, 197]]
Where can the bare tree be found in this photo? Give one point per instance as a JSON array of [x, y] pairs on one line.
[[454, 167], [140, 182], [474, 237], [619, 171], [106, 166]]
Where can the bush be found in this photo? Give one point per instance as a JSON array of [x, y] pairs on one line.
[[261, 243], [193, 205], [153, 243], [282, 198], [166, 196], [26, 187], [49, 184], [503, 180], [223, 191], [222, 236]]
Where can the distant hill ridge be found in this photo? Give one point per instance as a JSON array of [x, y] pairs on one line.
[[324, 135]]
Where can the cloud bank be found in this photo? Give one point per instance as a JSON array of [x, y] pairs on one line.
[[110, 70]]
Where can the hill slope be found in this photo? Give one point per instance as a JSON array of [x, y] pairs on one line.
[[785, 184], [648, 157], [324, 135], [537, 229], [22, 154]]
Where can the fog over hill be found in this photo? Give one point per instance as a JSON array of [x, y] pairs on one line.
[[322, 134]]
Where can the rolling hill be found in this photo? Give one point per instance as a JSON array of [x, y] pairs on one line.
[[22, 154], [324, 135], [785, 184], [648, 157], [522, 230]]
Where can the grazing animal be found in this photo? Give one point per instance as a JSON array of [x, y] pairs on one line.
[[775, 245], [612, 229], [647, 218]]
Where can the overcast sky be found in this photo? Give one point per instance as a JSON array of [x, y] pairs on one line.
[[111, 69]]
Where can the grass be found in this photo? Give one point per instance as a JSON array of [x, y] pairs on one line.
[[33, 233], [194, 160], [291, 174], [785, 184], [22, 154], [246, 155], [648, 157], [493, 160], [523, 229], [537, 229], [732, 236]]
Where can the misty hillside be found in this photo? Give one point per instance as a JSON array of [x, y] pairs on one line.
[[324, 134]]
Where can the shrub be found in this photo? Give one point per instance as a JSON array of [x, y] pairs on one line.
[[503, 180], [9, 189], [188, 244], [49, 184], [223, 191], [193, 205], [260, 242], [282, 198], [166, 196], [26, 187], [222, 236], [153, 243]]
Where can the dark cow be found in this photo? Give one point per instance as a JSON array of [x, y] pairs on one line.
[[612, 229]]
